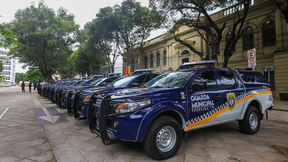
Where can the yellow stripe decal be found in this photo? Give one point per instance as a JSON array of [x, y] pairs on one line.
[[223, 110]]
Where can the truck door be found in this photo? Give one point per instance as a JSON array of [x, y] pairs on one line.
[[233, 90], [203, 99]]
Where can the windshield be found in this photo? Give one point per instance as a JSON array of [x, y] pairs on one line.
[[88, 82], [96, 82], [70, 83], [80, 83], [122, 82], [171, 80]]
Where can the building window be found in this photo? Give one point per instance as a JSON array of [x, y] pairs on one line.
[[248, 38], [146, 63], [185, 60], [228, 39], [158, 59], [164, 58], [151, 61], [269, 33], [185, 52]]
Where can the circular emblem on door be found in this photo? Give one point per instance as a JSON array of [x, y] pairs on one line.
[[231, 101]]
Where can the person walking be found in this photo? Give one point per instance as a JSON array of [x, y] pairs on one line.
[[35, 84], [23, 86], [30, 85]]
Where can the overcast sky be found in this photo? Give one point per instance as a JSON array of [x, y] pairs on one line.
[[84, 10]]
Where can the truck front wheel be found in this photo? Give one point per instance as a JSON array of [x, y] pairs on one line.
[[163, 138], [251, 121]]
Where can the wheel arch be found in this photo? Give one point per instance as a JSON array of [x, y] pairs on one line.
[[178, 113], [256, 103]]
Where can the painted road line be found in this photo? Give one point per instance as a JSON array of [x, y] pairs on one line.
[[3, 113], [14, 100]]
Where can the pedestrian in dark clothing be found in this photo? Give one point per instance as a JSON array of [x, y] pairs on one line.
[[23, 86], [35, 84], [30, 85]]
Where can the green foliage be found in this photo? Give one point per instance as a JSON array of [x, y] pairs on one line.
[[2, 77], [19, 77], [45, 36], [196, 14], [86, 59], [1, 65], [127, 24], [7, 38], [33, 75]]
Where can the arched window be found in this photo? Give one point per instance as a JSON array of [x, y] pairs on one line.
[[146, 63], [269, 33], [228, 39], [151, 61], [164, 58], [158, 59], [185, 52], [248, 38]]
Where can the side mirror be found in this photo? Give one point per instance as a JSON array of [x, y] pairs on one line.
[[199, 86], [135, 85]]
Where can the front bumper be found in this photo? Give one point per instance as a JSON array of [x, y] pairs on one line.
[[113, 128], [79, 107]]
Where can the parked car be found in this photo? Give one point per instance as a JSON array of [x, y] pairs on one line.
[[177, 102], [70, 94], [81, 99], [5, 84]]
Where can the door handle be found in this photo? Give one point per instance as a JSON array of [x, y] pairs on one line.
[[217, 96], [239, 93]]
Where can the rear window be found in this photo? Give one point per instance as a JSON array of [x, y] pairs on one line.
[[252, 76]]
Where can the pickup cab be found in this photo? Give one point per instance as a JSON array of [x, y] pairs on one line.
[[180, 101]]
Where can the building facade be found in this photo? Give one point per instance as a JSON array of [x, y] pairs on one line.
[[264, 30], [9, 65]]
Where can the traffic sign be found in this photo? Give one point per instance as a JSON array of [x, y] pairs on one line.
[[251, 55]]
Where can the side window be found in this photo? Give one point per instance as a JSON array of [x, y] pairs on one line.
[[107, 81], [227, 79], [205, 80], [143, 79]]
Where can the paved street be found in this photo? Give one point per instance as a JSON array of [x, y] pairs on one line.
[[33, 129]]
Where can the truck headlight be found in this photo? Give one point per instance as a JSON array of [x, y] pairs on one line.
[[131, 106], [86, 98]]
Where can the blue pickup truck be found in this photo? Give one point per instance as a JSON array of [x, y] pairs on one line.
[[173, 103], [81, 100]]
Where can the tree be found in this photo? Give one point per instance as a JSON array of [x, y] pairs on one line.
[[129, 24], [1, 65], [33, 75], [195, 14], [102, 39], [282, 5], [46, 38], [7, 38], [87, 60], [19, 77]]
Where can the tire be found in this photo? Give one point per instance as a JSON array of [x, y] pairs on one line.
[[251, 121], [163, 127]]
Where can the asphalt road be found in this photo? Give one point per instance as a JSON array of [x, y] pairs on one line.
[[34, 129]]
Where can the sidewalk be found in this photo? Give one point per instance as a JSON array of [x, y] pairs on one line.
[[280, 105]]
